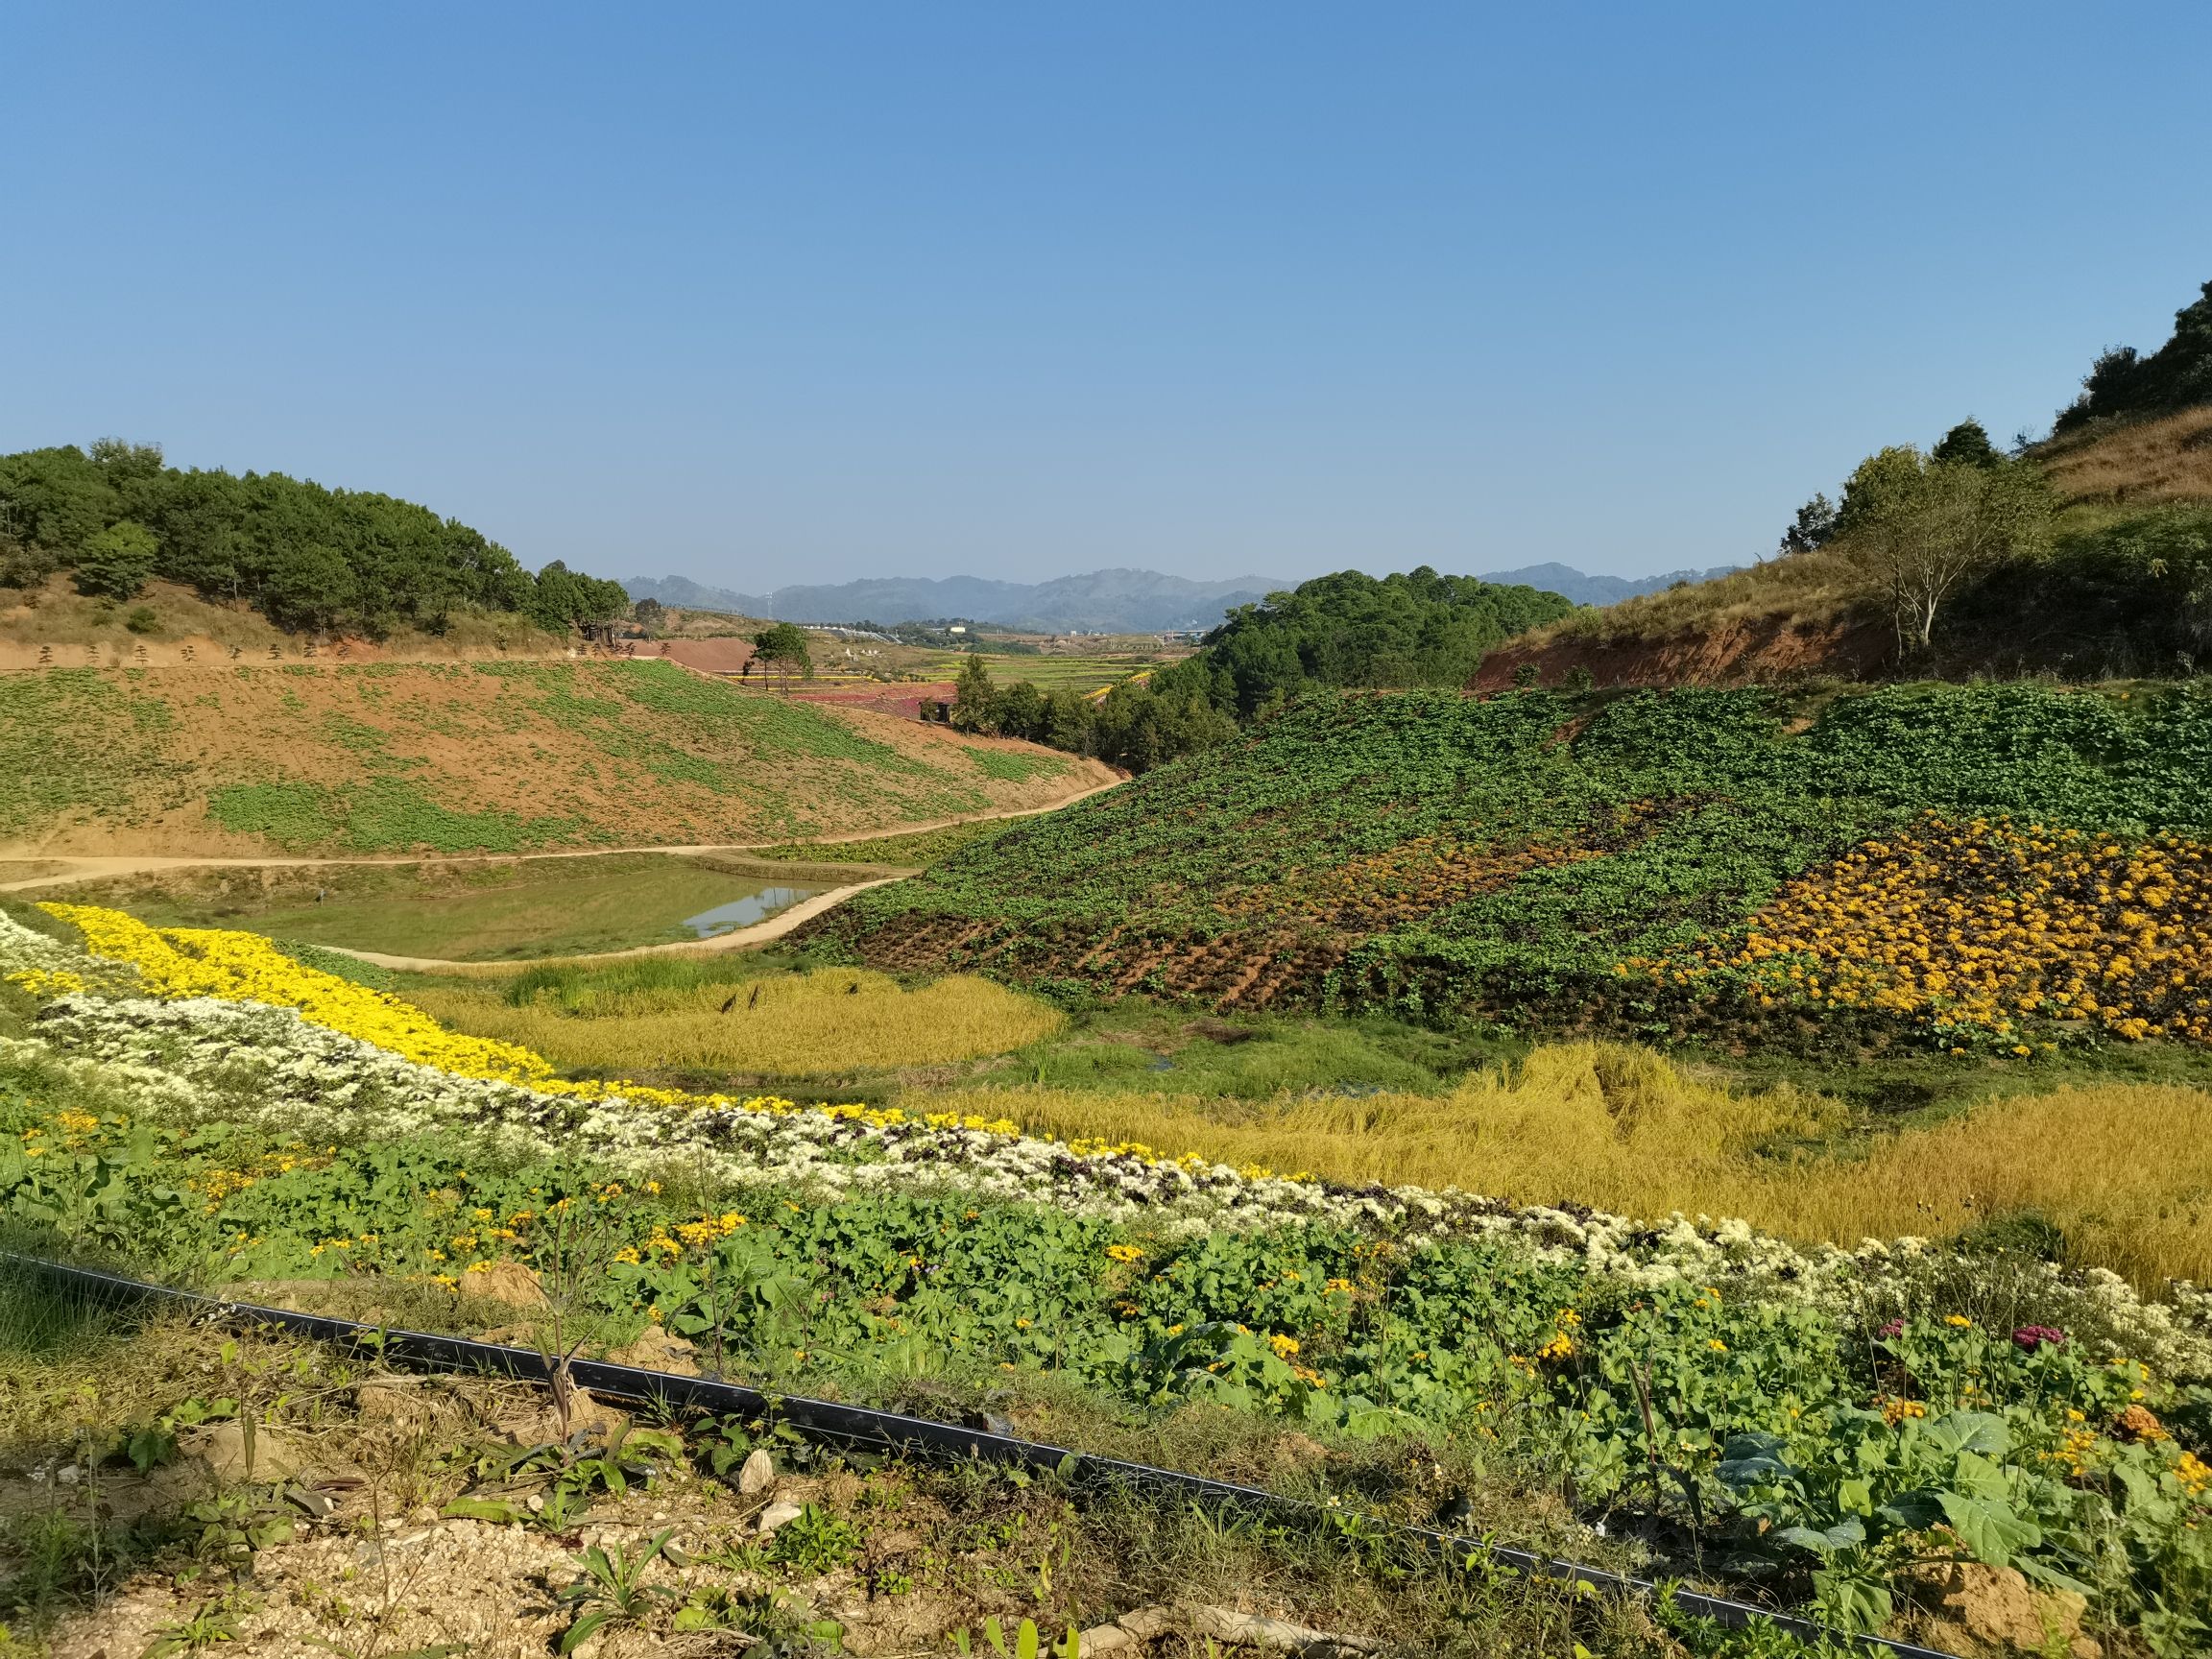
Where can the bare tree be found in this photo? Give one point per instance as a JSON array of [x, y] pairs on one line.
[[1926, 528]]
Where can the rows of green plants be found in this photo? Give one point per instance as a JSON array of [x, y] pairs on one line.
[[1820, 1455], [1697, 804], [83, 742], [77, 740]]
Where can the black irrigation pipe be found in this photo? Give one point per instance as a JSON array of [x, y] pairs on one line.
[[858, 1426]]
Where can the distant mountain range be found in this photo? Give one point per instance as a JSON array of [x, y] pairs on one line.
[[1569, 583], [1099, 601]]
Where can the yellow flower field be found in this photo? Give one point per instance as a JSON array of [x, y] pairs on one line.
[[1980, 926], [183, 962]]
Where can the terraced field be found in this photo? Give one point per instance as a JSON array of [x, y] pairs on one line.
[[1650, 863], [492, 757]]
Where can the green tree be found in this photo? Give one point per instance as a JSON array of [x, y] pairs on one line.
[[974, 699], [1069, 721], [2125, 382], [784, 646], [1813, 525], [310, 586], [271, 540], [117, 561], [1416, 628], [56, 500], [1020, 710], [1966, 444], [1924, 528], [650, 615]]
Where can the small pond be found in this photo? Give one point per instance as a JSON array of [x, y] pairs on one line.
[[746, 911]]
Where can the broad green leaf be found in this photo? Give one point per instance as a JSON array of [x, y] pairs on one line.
[[1844, 1534], [1853, 1601], [580, 1632], [1980, 1431], [1990, 1527]]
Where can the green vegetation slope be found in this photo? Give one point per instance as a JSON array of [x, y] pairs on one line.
[[1511, 858], [1335, 633], [499, 756]]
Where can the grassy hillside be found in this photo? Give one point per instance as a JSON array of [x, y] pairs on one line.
[[1663, 863], [168, 625], [2122, 589], [501, 757]]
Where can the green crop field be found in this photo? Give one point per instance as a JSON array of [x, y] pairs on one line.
[[1542, 860], [1049, 673]]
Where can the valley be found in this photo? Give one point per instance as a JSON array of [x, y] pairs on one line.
[[1715, 1088]]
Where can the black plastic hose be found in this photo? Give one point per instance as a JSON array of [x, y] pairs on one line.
[[859, 1426]]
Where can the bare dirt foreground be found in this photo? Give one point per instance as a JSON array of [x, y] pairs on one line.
[[324, 1504]]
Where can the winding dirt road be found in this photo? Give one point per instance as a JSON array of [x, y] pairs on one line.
[[742, 938], [94, 868]]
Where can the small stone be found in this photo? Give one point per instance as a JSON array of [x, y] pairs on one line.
[[756, 1474], [68, 1475], [776, 1515]]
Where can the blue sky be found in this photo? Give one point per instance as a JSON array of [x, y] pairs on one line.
[[765, 295]]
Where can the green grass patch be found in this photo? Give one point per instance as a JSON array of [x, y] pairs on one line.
[[491, 910], [383, 815], [1012, 766], [921, 848]]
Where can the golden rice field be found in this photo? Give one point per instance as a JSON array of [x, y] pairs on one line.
[[2124, 1169], [831, 1021]]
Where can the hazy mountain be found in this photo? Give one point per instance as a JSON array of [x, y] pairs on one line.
[[1097, 601], [1569, 583], [691, 595]]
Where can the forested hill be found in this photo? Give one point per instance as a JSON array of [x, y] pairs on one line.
[[1352, 630], [307, 556]]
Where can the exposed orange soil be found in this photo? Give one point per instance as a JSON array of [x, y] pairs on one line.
[[1730, 653]]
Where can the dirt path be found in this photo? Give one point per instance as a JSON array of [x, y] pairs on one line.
[[743, 938], [89, 867]]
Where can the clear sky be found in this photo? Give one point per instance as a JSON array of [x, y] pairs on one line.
[[764, 294]]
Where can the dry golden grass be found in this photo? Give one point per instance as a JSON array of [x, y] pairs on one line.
[[2122, 468], [2124, 1169], [835, 1020], [2168, 460], [1814, 587]]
